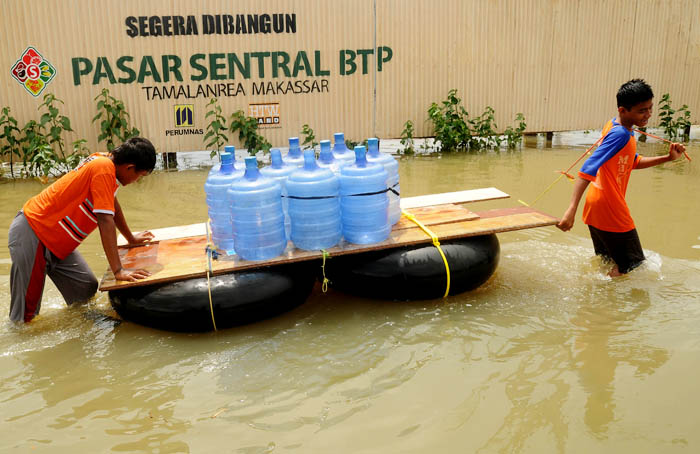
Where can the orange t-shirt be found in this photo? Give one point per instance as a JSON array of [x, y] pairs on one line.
[[63, 214], [608, 170]]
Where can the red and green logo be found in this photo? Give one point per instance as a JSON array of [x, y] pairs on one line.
[[33, 71]]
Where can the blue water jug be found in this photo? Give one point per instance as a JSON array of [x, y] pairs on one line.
[[340, 150], [363, 201], [279, 170], [256, 210], [326, 159], [314, 206], [294, 156], [216, 188], [391, 166], [237, 165]]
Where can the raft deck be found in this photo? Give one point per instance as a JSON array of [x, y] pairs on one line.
[[178, 253]]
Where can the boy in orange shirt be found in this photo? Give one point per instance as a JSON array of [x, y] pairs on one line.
[[609, 167], [44, 235]]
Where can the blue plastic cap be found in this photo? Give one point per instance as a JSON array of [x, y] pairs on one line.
[[251, 162], [293, 142], [310, 160], [338, 137], [226, 158], [325, 145], [373, 146], [276, 158], [230, 149], [360, 156]]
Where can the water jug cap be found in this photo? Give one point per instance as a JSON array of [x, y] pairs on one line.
[[231, 149], [310, 160], [251, 168], [373, 146], [360, 156], [276, 158], [293, 142], [226, 158], [338, 137], [326, 155]]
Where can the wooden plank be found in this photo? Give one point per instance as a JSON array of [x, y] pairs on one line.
[[170, 233], [469, 196], [441, 214], [185, 258]]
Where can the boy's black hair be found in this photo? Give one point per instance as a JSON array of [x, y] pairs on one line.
[[633, 92], [137, 151]]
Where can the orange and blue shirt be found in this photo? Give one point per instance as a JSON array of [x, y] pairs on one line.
[[64, 214], [608, 169]]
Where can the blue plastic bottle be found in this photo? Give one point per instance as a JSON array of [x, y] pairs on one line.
[[340, 150], [216, 188], [294, 156], [391, 166], [256, 210], [363, 201], [236, 164], [279, 171], [314, 206], [326, 159]]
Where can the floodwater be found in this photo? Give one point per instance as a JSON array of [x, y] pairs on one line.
[[550, 355]]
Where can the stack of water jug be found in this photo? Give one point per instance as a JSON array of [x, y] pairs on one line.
[[312, 202]]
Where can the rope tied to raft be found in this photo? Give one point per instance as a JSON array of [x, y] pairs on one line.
[[324, 284], [436, 243], [210, 252]]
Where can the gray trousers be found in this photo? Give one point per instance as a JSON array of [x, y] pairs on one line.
[[31, 262]]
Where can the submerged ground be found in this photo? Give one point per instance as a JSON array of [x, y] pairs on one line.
[[549, 356]]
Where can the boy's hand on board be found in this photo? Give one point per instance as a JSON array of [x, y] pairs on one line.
[[131, 275], [142, 237], [675, 151]]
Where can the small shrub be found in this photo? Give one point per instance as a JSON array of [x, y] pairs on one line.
[[215, 138], [247, 128], [672, 125], [309, 138], [514, 137], [115, 122], [9, 138], [407, 138]]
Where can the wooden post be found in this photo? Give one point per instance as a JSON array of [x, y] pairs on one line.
[[550, 136]]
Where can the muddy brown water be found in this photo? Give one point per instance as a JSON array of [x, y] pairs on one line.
[[550, 355]]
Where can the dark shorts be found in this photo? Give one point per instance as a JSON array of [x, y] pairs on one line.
[[623, 248]]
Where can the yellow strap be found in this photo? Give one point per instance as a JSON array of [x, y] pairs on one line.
[[210, 248], [324, 285], [436, 243]]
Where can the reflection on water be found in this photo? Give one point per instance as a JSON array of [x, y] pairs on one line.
[[550, 355]]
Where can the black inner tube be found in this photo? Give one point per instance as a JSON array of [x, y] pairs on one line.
[[416, 272]]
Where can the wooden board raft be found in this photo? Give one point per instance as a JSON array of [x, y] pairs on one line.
[[181, 258]]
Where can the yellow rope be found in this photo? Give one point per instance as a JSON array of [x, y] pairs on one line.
[[436, 243], [324, 285], [210, 248]]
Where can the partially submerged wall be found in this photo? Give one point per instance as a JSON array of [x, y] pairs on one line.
[[363, 67]]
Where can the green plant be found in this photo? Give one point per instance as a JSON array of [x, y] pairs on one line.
[[247, 128], [407, 138], [450, 123], [9, 134], [514, 137], [215, 128], [309, 137], [666, 117], [114, 120], [483, 130], [55, 123]]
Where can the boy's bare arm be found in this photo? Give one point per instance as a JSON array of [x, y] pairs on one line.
[[108, 235], [675, 151], [567, 221]]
